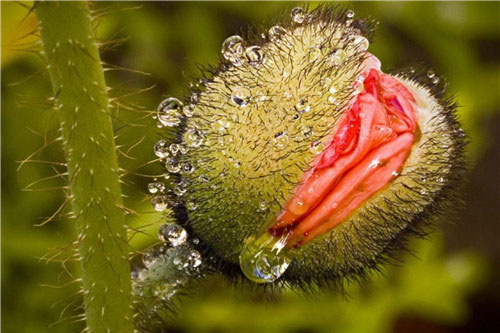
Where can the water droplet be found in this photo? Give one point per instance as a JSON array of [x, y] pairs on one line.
[[332, 99], [264, 260], [194, 258], [240, 96], [148, 258], [156, 187], [183, 149], [169, 112], [188, 168], [316, 147], [196, 241], [307, 131], [276, 33], [233, 50], [203, 178], [160, 203], [172, 165], [298, 15], [337, 58], [430, 74], [180, 189], [302, 106], [174, 148], [161, 149], [254, 54], [361, 43], [172, 234], [191, 205], [263, 205], [237, 164], [221, 126], [350, 14], [280, 141], [193, 137], [358, 85], [435, 80], [189, 111]]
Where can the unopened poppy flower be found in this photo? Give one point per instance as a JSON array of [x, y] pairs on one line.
[[299, 160]]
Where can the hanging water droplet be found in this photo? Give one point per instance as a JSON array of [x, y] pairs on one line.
[[350, 14], [233, 50], [254, 54], [172, 234], [302, 106], [276, 33], [240, 96], [174, 148], [361, 43], [160, 203], [156, 187], [161, 149], [298, 15], [193, 137], [316, 147], [169, 112], [172, 165], [280, 141], [264, 260]]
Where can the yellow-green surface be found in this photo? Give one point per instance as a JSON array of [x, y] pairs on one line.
[[460, 40]]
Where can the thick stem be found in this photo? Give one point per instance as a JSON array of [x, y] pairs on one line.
[[87, 133]]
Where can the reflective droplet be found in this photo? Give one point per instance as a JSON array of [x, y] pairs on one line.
[[276, 33], [174, 148], [254, 54], [160, 203], [189, 111], [264, 260], [430, 74], [188, 168], [156, 187], [316, 147], [191, 205], [361, 43], [240, 96], [148, 258], [337, 58], [221, 126], [161, 149], [233, 50], [350, 14], [435, 80], [180, 188], [194, 258], [193, 137], [280, 141], [298, 15], [263, 205], [172, 165], [170, 112], [172, 234], [203, 178], [302, 106]]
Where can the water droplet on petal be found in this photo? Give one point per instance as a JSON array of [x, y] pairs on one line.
[[233, 50], [240, 96], [298, 15], [170, 112], [280, 141], [160, 203], [172, 234], [264, 260]]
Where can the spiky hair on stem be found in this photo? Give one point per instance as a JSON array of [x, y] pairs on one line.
[[254, 126]]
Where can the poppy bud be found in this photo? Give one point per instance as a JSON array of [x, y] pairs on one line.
[[299, 160]]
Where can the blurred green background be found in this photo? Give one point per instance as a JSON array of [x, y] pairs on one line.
[[451, 284]]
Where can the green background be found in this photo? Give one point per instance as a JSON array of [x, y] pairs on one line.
[[450, 284]]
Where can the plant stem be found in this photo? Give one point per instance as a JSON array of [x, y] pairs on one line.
[[87, 133]]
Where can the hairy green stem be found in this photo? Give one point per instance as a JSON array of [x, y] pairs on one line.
[[83, 107]]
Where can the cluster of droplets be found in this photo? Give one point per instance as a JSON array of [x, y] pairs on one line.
[[237, 53]]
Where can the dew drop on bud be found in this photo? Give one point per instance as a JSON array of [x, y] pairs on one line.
[[148, 258], [161, 149], [174, 148], [298, 15], [156, 187], [264, 260], [172, 165], [430, 74], [276, 33], [254, 54], [160, 203], [172, 234], [193, 137], [316, 147], [170, 112], [361, 43], [280, 141], [189, 111], [232, 49], [350, 14], [194, 258], [302, 106], [240, 96], [337, 58]]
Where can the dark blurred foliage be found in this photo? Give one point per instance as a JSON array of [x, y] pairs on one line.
[[452, 286]]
